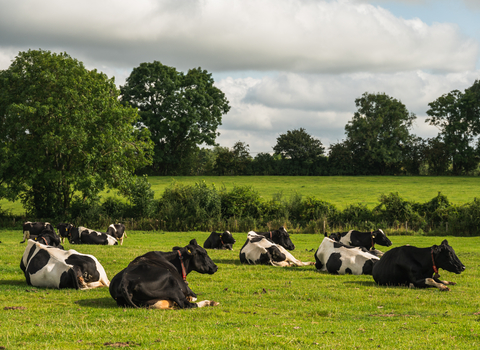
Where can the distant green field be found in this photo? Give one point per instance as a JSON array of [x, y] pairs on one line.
[[261, 307], [338, 190]]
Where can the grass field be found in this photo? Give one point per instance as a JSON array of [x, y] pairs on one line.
[[338, 190], [261, 307]]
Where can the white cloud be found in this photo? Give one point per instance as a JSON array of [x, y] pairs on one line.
[[284, 35]]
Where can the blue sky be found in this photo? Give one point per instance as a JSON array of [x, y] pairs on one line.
[[283, 64]]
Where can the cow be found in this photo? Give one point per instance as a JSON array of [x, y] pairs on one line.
[[414, 267], [366, 240], [218, 240], [64, 230], [50, 267], [280, 237], [260, 250], [34, 229], [83, 235], [117, 231], [340, 259], [158, 279], [48, 237]]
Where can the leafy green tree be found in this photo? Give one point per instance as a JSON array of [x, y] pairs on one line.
[[182, 111], [224, 161], [340, 160], [377, 133], [242, 158], [264, 164], [437, 156], [63, 131], [457, 115]]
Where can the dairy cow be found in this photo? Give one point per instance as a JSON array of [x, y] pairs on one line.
[[279, 236], [64, 230], [415, 267], [48, 237], [83, 235], [366, 240], [117, 231], [259, 250], [34, 229], [218, 240], [158, 279], [50, 267], [340, 259]]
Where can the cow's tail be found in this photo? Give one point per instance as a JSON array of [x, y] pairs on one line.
[[127, 296]]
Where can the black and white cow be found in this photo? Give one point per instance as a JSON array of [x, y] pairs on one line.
[[366, 240], [117, 231], [340, 259], [260, 250], [280, 237], [47, 237], [34, 229], [158, 279], [64, 230], [83, 235], [50, 267], [414, 267], [218, 240]]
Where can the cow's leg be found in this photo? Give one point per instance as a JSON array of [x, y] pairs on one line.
[[26, 235], [121, 240], [444, 282], [430, 282], [161, 304], [207, 303]]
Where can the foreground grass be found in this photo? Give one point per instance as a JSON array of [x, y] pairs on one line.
[[338, 190], [260, 306]]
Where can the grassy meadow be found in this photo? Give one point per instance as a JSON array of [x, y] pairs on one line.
[[261, 307], [337, 190]]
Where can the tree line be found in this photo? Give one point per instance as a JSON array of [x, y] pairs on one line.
[[67, 133]]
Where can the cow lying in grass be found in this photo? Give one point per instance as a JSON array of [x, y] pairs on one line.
[[414, 267], [158, 279], [260, 250], [218, 240], [365, 240], [279, 237], [50, 267], [340, 259]]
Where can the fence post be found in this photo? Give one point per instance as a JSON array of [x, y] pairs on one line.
[[324, 227]]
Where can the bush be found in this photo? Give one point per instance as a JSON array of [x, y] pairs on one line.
[[241, 201]]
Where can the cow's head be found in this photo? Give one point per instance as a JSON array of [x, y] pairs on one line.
[[64, 229], [335, 236], [445, 258], [380, 238], [281, 237], [198, 258], [226, 238]]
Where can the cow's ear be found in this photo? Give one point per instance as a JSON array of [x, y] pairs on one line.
[[193, 242], [445, 242]]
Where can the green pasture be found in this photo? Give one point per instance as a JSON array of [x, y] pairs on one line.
[[338, 190], [261, 307]]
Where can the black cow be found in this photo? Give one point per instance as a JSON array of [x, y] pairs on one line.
[[34, 229], [158, 279], [50, 267], [260, 250], [340, 259], [280, 237], [414, 267], [48, 237], [117, 231], [82, 235], [64, 230], [366, 240], [218, 240]]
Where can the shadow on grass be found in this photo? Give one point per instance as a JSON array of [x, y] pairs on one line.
[[362, 283], [99, 303], [227, 261], [13, 283]]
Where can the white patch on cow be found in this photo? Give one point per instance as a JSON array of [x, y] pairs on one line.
[[49, 275], [352, 258], [347, 239], [253, 251], [111, 240]]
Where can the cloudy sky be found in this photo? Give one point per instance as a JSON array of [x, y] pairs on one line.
[[283, 64]]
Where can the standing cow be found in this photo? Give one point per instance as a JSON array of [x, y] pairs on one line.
[[365, 240], [414, 267], [279, 236], [64, 230], [218, 240], [259, 250], [83, 235], [117, 231], [34, 229], [158, 279], [50, 267], [340, 259]]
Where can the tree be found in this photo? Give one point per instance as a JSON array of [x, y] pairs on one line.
[[377, 133], [63, 131], [340, 160], [182, 111], [242, 158], [457, 115]]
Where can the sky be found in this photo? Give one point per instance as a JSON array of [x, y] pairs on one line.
[[282, 64]]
